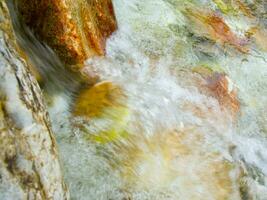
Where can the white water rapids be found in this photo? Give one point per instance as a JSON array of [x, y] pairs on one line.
[[150, 57]]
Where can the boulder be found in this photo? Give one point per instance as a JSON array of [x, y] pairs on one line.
[[74, 29]]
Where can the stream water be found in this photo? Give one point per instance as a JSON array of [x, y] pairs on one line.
[[171, 139]]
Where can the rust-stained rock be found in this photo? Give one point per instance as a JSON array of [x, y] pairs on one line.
[[74, 29], [219, 86], [224, 90], [214, 27]]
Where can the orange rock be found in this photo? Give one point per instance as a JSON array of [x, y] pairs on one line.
[[74, 29], [217, 85], [217, 29], [223, 89]]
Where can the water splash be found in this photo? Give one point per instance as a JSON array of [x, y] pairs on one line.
[[181, 142]]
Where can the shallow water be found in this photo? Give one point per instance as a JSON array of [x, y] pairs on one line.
[[180, 143]]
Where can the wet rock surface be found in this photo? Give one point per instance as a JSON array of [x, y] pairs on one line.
[[75, 30]]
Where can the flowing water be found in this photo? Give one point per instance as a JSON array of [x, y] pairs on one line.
[[170, 137]]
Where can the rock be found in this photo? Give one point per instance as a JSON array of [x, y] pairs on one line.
[[29, 161], [220, 86], [210, 25], [74, 29], [225, 91]]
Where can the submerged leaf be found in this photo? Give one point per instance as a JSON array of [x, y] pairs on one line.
[[103, 101], [91, 102], [118, 116]]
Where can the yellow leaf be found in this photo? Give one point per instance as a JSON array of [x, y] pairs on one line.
[[91, 102]]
